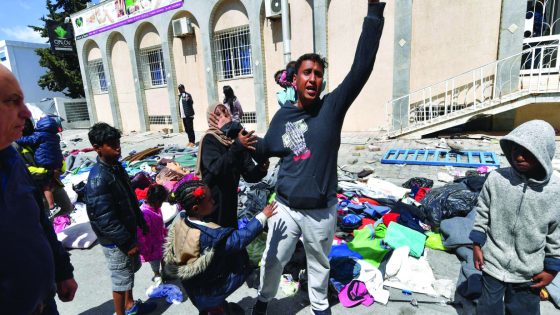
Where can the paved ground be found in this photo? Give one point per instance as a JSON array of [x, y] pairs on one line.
[[94, 293]]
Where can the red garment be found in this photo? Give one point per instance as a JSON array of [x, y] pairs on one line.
[[366, 221], [421, 193], [390, 217], [141, 194], [369, 200]]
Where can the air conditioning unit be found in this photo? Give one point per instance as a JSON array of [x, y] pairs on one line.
[[273, 8], [182, 27]]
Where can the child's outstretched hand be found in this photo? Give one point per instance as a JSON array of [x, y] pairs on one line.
[[478, 257], [270, 210], [543, 279]]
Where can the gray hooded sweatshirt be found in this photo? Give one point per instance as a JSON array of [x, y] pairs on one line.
[[517, 218]]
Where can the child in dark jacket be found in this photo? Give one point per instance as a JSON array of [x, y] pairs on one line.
[[114, 215], [45, 142], [516, 233], [212, 260]]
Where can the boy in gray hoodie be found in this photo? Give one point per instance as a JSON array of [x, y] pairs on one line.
[[516, 234]]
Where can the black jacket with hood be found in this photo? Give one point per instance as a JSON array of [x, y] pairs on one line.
[[112, 206]]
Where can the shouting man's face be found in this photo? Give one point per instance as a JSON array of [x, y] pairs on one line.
[[308, 79]]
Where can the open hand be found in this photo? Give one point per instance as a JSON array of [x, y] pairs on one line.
[[543, 279], [247, 139], [66, 289], [478, 257], [270, 210], [218, 121]]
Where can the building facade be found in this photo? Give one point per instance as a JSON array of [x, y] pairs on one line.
[[131, 69], [20, 58]]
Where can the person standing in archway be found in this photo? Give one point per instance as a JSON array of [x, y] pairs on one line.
[[187, 113], [232, 102]]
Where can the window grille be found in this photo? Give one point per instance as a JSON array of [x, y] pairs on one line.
[[249, 118], [76, 111], [160, 120], [152, 67], [96, 73], [232, 53]]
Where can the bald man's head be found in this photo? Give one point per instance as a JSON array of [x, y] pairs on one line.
[[13, 111]]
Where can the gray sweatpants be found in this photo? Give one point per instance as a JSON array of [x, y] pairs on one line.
[[317, 227]]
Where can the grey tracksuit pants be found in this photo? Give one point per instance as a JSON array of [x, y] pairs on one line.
[[317, 227]]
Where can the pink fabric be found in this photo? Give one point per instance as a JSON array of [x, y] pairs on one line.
[[355, 293], [60, 223], [151, 245]]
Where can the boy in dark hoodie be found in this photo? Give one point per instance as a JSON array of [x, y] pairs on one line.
[[114, 215], [212, 260], [516, 234], [45, 142]]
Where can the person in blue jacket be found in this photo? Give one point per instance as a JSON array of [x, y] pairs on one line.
[[45, 142], [212, 262], [34, 265]]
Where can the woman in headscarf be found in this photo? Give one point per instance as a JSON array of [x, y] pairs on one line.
[[223, 157]]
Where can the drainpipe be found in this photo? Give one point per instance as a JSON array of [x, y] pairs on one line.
[[286, 31]]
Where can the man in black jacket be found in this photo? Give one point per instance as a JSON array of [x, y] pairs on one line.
[[306, 136], [186, 110], [114, 215], [34, 265]]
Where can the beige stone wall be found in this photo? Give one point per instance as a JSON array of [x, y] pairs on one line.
[[157, 101], [94, 53], [230, 14], [301, 26], [367, 113], [451, 37], [274, 58], [189, 70], [103, 108], [547, 112], [124, 86], [148, 37]]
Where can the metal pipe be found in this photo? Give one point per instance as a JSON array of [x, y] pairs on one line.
[[286, 38]]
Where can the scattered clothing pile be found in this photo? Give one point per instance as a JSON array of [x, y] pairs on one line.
[[162, 165]]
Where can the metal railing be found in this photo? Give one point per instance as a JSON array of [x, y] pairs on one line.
[[534, 70]]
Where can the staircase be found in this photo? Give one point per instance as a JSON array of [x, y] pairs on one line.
[[529, 77]]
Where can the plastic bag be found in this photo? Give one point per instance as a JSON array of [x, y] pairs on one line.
[[452, 200], [418, 182]]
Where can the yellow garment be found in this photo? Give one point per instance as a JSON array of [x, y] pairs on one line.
[[434, 241]]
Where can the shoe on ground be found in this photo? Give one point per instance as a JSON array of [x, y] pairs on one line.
[[140, 308], [260, 308], [325, 312]]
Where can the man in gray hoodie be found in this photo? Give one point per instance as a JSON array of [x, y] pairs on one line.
[[516, 233]]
